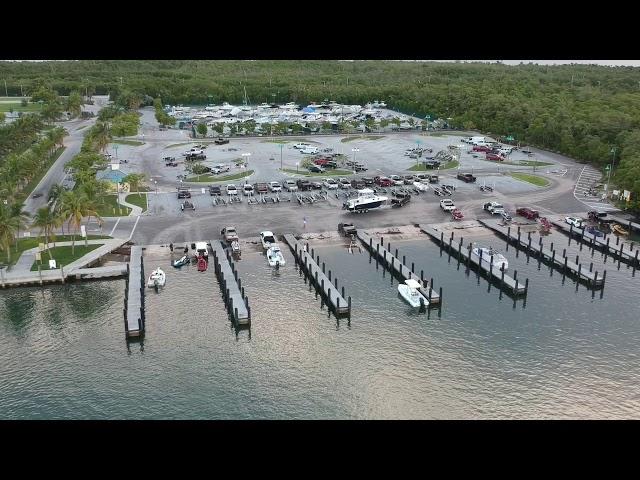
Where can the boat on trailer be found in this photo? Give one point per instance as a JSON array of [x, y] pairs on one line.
[[409, 291], [617, 229], [366, 200]]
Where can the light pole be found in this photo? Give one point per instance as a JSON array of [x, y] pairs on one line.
[[354, 150], [246, 156]]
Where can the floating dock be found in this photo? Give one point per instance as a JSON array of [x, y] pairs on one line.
[[516, 287], [231, 286], [310, 265], [134, 316], [560, 261], [619, 249], [396, 266]]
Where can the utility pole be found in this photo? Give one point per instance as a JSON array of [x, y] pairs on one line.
[[281, 145], [6, 94]]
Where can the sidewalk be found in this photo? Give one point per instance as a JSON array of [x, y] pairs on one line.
[[135, 210]]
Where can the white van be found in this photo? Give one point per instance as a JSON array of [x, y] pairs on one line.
[[310, 150]]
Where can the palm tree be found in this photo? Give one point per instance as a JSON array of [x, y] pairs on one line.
[[9, 226], [75, 207], [21, 217], [101, 134], [47, 221], [134, 180]]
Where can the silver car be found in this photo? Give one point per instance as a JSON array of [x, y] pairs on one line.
[[275, 186]]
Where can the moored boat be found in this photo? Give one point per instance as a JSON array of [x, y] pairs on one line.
[[409, 291], [488, 255], [202, 264], [157, 278], [181, 261], [275, 257]]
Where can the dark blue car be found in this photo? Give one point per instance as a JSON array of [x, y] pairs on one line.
[[595, 232]]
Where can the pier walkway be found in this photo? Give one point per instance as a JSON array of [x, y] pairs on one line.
[[134, 313], [620, 249], [310, 266], [516, 287], [231, 286], [560, 261]]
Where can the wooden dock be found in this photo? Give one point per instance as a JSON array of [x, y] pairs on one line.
[[512, 284], [134, 312], [231, 285], [310, 266], [396, 266], [537, 248], [616, 248]]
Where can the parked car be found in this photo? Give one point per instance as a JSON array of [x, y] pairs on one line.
[[409, 179], [36, 195], [368, 181], [184, 192], [275, 186], [595, 232], [316, 169], [304, 185], [575, 221], [330, 184], [290, 185], [383, 181], [247, 189], [493, 207], [466, 177], [316, 185], [261, 187], [494, 157], [221, 141], [344, 183], [528, 213], [232, 189], [447, 205], [229, 234], [397, 179], [215, 190], [300, 146], [357, 183]]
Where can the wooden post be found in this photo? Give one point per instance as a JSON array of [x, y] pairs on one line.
[[577, 259], [526, 286], [595, 279], [591, 267], [322, 267], [329, 275], [349, 302], [412, 267], [579, 271], [553, 256], [343, 291], [404, 259], [515, 278], [440, 298], [382, 241], [502, 277], [604, 277]]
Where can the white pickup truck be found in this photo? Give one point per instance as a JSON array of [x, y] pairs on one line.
[[447, 205], [493, 208]]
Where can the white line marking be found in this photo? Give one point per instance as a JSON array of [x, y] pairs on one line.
[[134, 227], [114, 227]]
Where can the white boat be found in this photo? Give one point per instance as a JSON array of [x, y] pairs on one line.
[[409, 291], [499, 261], [268, 239], [275, 257], [157, 277], [366, 200]]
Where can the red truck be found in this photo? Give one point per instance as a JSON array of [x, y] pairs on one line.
[[383, 181], [481, 148], [494, 157], [528, 213]]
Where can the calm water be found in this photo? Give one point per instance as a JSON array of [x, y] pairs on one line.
[[563, 355]]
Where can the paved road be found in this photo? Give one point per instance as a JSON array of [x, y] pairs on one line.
[[56, 174]]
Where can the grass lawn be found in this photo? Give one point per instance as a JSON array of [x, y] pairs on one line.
[[63, 255], [210, 178], [328, 173], [362, 137], [33, 242], [139, 200], [421, 168], [108, 203], [534, 179], [133, 143], [17, 107], [277, 141], [528, 163], [28, 189]]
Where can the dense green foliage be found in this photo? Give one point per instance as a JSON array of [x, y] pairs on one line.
[[579, 110]]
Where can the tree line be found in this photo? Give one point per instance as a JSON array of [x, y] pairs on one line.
[[582, 111]]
